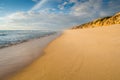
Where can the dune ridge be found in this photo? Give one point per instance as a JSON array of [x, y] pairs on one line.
[[106, 21]]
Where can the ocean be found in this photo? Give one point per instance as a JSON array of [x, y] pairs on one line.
[[11, 37]]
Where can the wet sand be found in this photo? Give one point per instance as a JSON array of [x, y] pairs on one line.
[[18, 56], [81, 54]]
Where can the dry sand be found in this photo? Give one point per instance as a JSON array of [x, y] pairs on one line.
[[83, 54]]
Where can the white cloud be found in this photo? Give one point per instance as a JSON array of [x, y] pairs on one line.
[[61, 6], [38, 5], [43, 19], [40, 20], [86, 8]]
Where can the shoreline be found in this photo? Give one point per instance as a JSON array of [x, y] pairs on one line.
[[17, 43], [81, 54], [16, 57]]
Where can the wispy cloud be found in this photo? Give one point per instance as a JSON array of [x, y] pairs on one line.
[[38, 5], [47, 18], [41, 20], [61, 6]]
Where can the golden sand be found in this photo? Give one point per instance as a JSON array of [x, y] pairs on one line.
[[82, 54]]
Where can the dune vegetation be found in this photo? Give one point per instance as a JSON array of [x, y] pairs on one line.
[[106, 21]]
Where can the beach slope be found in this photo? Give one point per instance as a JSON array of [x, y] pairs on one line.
[[16, 57], [80, 54]]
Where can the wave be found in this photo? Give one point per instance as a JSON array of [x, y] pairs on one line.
[[12, 37]]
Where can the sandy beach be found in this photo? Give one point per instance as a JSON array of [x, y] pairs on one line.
[[80, 54], [18, 56]]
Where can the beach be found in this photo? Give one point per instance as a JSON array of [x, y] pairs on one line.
[[78, 54], [14, 58]]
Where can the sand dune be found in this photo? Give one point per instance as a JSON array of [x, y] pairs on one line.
[[100, 22], [81, 54]]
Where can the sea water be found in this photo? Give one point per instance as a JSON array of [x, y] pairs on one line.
[[11, 37]]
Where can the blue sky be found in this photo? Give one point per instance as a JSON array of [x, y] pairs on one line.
[[53, 14], [10, 6]]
